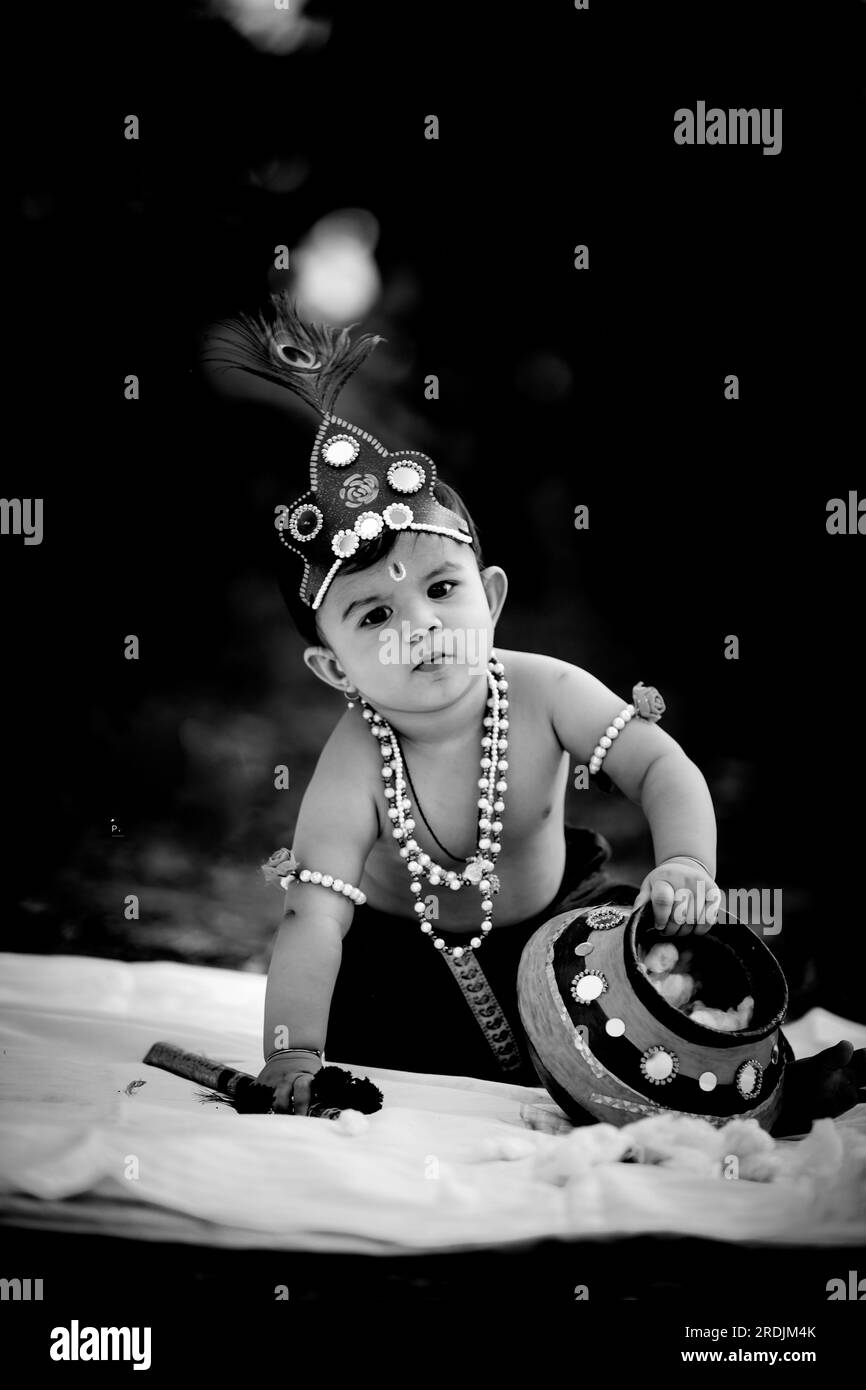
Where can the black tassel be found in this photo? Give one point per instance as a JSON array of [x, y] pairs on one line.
[[313, 360], [337, 1089], [332, 1089]]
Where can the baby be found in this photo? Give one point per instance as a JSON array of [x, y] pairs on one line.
[[433, 825], [556, 713]]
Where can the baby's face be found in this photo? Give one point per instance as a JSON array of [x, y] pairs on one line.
[[411, 631]]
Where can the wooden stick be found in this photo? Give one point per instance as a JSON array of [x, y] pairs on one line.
[[249, 1095], [332, 1090]]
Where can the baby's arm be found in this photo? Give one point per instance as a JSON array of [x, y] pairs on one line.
[[647, 765], [337, 827]]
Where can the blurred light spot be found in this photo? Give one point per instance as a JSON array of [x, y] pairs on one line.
[[270, 29], [336, 276], [543, 377], [279, 175], [37, 206], [732, 783], [163, 862], [402, 292], [227, 757], [256, 965]]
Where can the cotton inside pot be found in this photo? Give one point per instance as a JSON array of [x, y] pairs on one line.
[[682, 979]]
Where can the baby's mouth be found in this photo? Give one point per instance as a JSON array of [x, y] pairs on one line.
[[432, 663]]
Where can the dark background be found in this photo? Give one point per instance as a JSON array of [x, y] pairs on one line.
[[558, 387]]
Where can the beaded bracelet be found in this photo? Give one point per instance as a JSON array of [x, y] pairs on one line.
[[599, 752], [648, 705], [328, 881], [283, 868], [287, 1051]]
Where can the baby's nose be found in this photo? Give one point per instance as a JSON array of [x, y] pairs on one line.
[[419, 632]]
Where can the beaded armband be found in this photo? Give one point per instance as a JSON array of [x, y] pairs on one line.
[[648, 704], [283, 868]]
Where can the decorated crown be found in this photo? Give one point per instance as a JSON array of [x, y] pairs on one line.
[[358, 489]]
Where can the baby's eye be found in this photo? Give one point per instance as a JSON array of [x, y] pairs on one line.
[[366, 620], [440, 582]]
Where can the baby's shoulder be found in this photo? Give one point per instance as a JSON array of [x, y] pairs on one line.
[[349, 751], [533, 674], [343, 789]]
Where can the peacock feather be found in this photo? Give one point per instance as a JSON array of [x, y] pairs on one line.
[[313, 360]]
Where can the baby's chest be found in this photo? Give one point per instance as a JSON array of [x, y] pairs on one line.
[[444, 791]]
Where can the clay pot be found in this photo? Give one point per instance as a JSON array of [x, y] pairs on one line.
[[607, 1046]]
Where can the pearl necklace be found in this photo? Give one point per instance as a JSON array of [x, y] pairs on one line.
[[480, 866]]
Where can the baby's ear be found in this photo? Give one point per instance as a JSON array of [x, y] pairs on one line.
[[323, 663], [495, 582]]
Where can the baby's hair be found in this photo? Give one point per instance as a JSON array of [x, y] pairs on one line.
[[289, 574]]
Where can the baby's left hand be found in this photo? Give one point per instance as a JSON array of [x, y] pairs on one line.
[[672, 887]]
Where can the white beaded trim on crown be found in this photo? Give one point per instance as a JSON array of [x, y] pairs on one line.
[[347, 890], [326, 583], [413, 526], [362, 434], [440, 530], [599, 752]]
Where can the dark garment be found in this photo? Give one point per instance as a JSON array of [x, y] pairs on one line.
[[396, 1003]]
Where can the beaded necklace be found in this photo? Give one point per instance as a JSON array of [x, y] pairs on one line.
[[480, 866], [433, 834]]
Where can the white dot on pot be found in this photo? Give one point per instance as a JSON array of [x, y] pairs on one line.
[[588, 987], [659, 1066]]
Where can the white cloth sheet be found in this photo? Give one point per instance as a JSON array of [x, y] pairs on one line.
[[449, 1163]]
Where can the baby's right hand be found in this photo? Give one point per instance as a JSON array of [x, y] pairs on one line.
[[290, 1077]]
